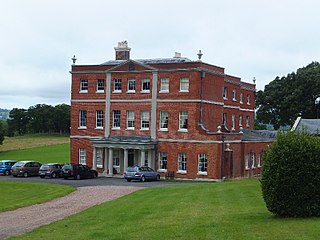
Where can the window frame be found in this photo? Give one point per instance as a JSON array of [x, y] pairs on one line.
[[144, 120], [241, 98], [240, 120], [145, 80], [99, 89], [130, 120], [99, 157], [82, 156], [182, 162], [234, 95], [224, 119], [186, 82], [162, 84], [248, 99], [99, 119], [82, 119], [117, 85], [134, 86], [116, 158], [233, 119], [248, 121], [202, 156], [84, 86], [165, 122], [225, 93], [116, 119], [183, 121], [163, 162]]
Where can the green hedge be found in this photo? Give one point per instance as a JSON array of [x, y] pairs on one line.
[[291, 175]]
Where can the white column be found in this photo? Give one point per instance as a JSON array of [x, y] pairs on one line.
[[149, 158], [105, 160], [143, 157], [110, 172], [94, 160], [125, 160]]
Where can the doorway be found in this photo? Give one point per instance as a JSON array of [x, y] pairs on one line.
[[130, 158]]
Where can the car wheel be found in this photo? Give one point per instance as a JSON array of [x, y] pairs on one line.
[[25, 174], [53, 175], [6, 172], [78, 177], [158, 178], [41, 176], [128, 180], [143, 179]]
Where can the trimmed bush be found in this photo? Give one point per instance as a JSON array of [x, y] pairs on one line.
[[291, 175]]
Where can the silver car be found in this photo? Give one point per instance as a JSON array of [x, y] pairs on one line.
[[141, 173]]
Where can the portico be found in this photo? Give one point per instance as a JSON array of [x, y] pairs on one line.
[[115, 153]]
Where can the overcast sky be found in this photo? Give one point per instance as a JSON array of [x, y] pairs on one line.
[[249, 38]]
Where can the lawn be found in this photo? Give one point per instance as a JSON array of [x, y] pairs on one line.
[[32, 141], [20, 194], [229, 210], [58, 153]]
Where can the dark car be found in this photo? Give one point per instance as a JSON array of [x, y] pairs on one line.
[[141, 173], [52, 170], [78, 171], [25, 168], [5, 166]]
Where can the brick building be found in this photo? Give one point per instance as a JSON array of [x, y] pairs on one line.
[[184, 118]]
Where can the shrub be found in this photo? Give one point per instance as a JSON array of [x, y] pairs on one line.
[[291, 175]]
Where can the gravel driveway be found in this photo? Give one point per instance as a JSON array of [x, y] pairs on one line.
[[26, 219]]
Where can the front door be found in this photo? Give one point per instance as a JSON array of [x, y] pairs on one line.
[[130, 158]]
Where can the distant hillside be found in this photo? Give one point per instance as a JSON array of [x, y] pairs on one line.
[[4, 114]]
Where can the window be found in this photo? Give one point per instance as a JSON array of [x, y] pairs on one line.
[[100, 85], [145, 85], [182, 162], [233, 121], [144, 120], [116, 119], [241, 97], [83, 119], [82, 156], [224, 119], [163, 120], [83, 86], [202, 163], [225, 93], [252, 160], [99, 119], [130, 119], [259, 160], [146, 159], [240, 120], [234, 95], [183, 121], [184, 85], [247, 162], [116, 158], [164, 85], [163, 160], [248, 99], [99, 157], [248, 121], [117, 85], [131, 85]]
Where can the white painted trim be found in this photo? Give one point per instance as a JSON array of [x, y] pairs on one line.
[[85, 137], [130, 100], [88, 100], [197, 141], [296, 123]]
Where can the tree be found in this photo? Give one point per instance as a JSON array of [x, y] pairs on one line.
[[291, 175], [61, 118], [286, 98], [18, 121], [2, 133]]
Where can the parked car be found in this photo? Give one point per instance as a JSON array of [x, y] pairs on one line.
[[141, 173], [78, 171], [5, 166], [25, 168], [52, 170]]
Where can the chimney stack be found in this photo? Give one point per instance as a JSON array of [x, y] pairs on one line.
[[122, 51]]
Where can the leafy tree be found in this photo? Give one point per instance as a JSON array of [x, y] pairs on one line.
[[286, 98], [291, 175], [2, 133], [18, 121], [41, 118], [61, 118]]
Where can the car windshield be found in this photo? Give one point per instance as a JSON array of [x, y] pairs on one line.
[[10, 163], [133, 169], [19, 164], [67, 167], [46, 166]]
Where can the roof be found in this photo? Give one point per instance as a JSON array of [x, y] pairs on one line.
[[311, 126], [259, 135], [150, 61]]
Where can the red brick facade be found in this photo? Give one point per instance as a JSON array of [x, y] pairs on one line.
[[199, 92]]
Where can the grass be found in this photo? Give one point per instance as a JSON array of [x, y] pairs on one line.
[[59, 153], [20, 194], [32, 141], [229, 210]]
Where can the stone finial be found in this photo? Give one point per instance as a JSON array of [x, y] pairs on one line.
[[219, 129]]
